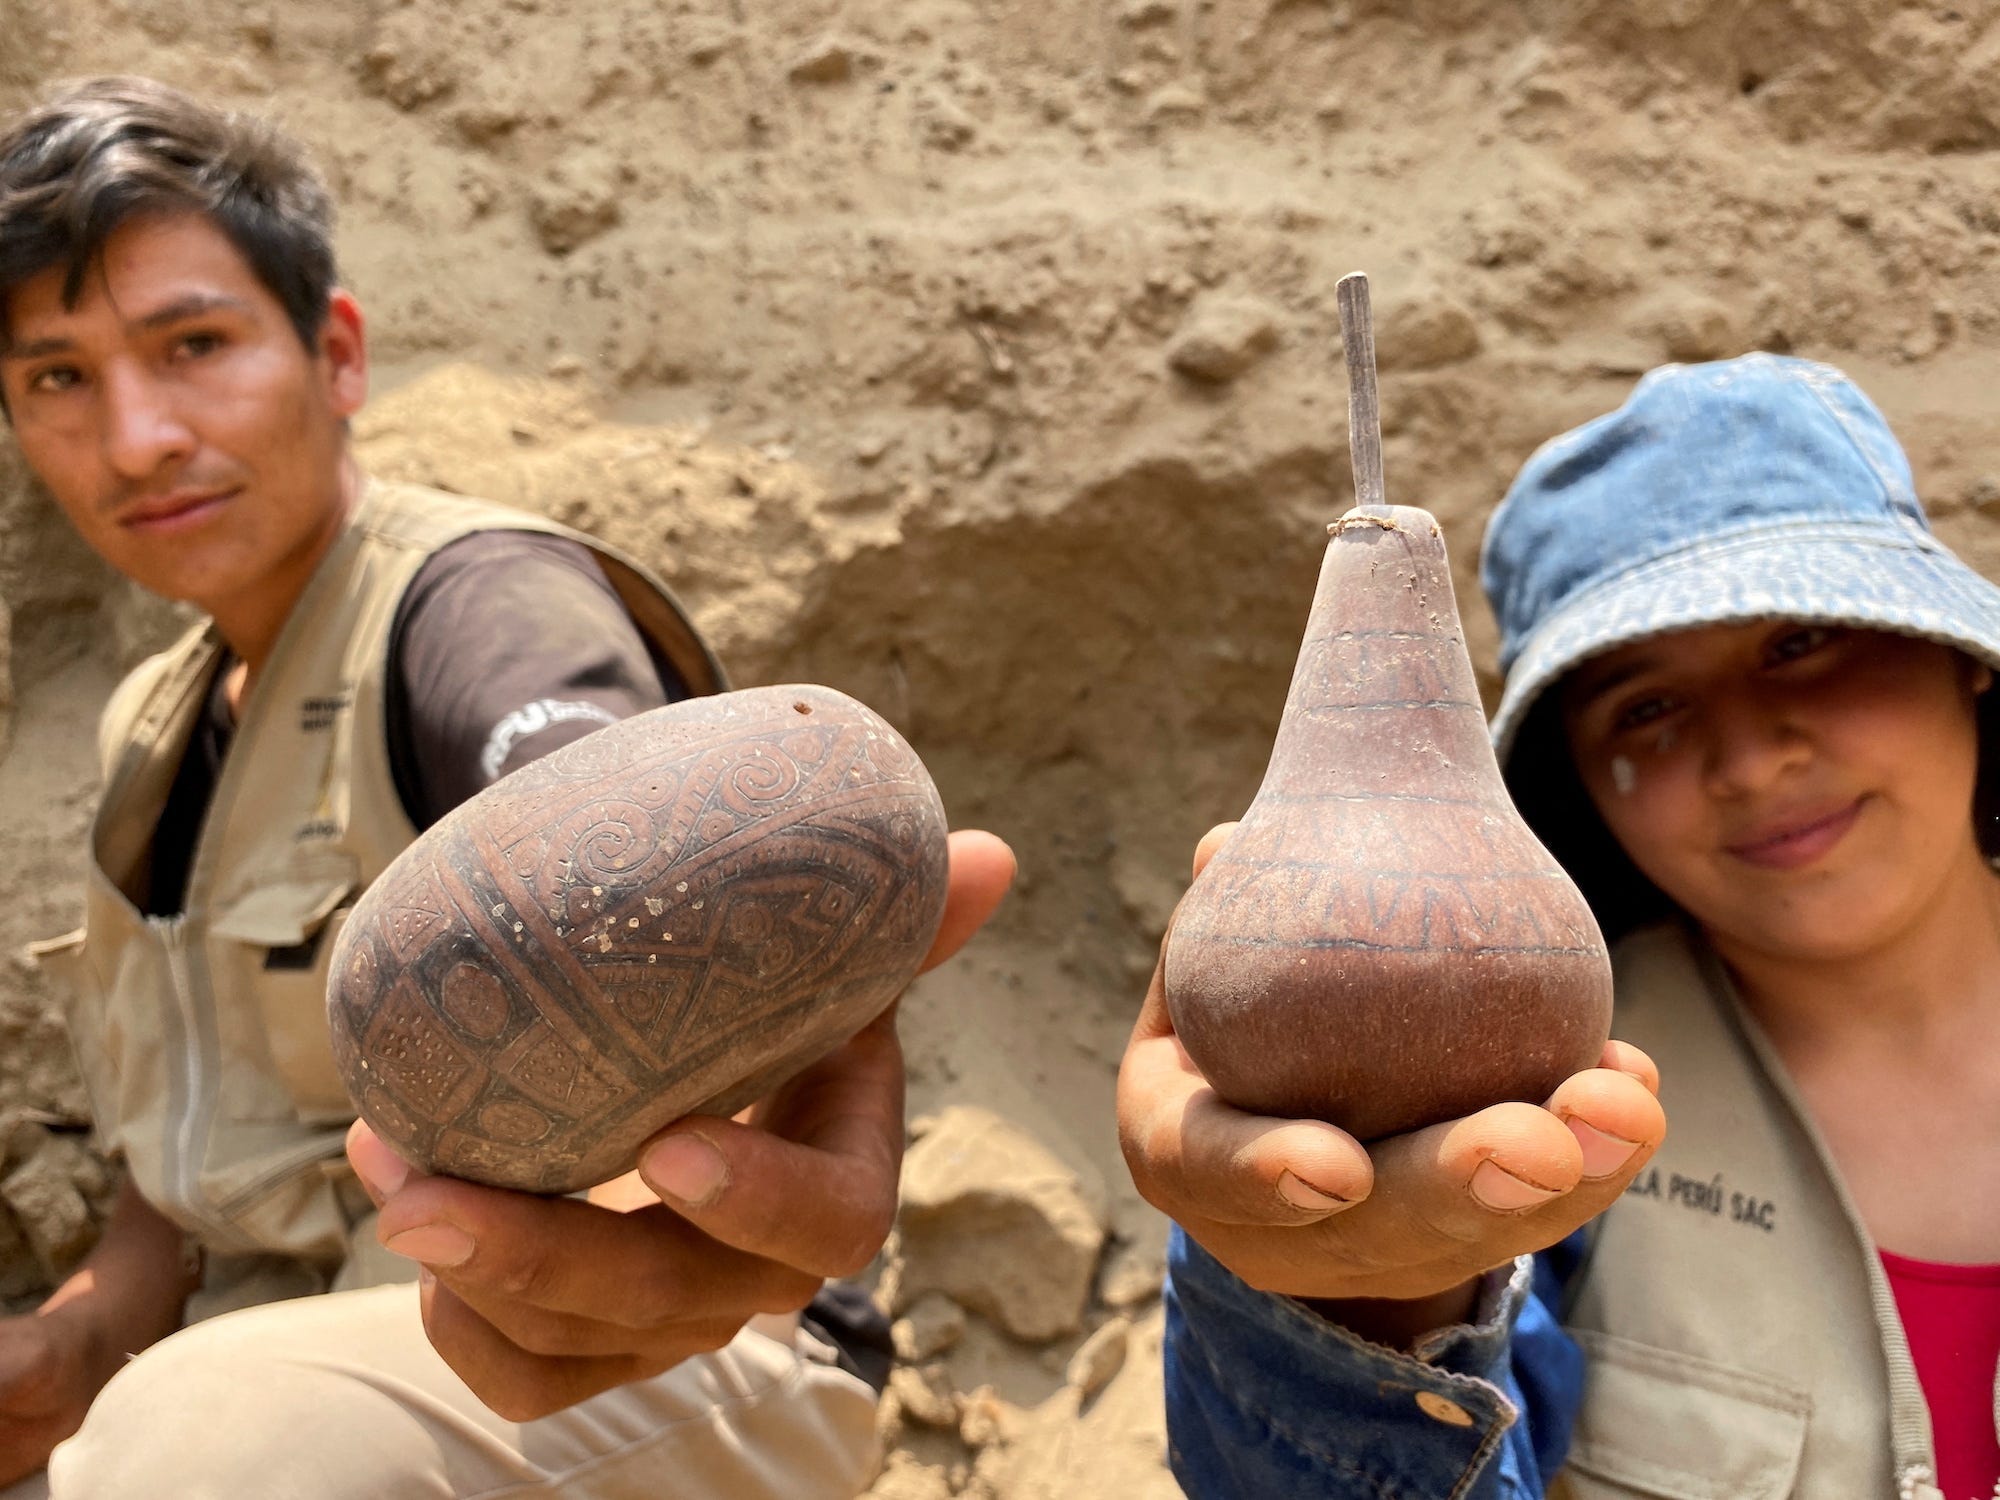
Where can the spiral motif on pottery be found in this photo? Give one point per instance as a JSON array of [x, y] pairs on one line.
[[654, 789], [590, 758], [750, 924], [892, 757], [608, 842], [765, 774], [810, 746]]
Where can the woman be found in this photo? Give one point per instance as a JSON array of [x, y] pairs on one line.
[[1747, 708]]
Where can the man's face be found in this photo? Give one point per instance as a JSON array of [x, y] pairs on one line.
[[190, 437], [1800, 790]]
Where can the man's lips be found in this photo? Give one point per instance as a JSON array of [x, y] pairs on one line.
[[165, 512], [1796, 840]]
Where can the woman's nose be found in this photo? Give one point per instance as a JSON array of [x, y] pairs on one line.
[[1752, 742]]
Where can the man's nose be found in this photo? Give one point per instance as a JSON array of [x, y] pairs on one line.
[[143, 428]]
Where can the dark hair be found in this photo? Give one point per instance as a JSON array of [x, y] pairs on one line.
[[1541, 775], [104, 149], [1542, 778]]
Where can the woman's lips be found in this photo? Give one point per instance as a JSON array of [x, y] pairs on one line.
[[1791, 844]]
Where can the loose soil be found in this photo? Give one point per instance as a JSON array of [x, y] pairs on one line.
[[982, 362]]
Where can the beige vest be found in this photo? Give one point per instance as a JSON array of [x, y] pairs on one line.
[[202, 1038], [1741, 1336]]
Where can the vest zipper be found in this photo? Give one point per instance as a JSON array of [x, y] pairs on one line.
[[191, 1115], [1909, 1414], [188, 1115]]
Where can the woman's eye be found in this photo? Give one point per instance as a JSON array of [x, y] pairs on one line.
[[1639, 713], [1804, 641]]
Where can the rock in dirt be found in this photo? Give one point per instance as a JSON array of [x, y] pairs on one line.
[[1175, 103], [987, 1421], [906, 1477], [575, 203], [1423, 331], [925, 1395], [1132, 1275], [932, 1325], [1222, 337], [827, 60], [53, 1214], [1692, 327], [1098, 1358], [991, 1218], [943, 125]]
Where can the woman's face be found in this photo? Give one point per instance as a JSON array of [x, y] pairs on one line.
[[1805, 790]]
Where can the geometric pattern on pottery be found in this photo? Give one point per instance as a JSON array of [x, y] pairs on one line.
[[669, 915]]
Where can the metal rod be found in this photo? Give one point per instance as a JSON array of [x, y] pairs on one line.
[[1364, 412]]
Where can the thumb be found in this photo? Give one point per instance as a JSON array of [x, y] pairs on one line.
[[818, 1209], [1211, 845], [982, 868]]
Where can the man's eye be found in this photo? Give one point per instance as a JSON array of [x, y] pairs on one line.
[[55, 378], [195, 345], [1802, 642]]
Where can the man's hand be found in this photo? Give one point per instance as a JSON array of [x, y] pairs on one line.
[[541, 1303], [126, 1295], [49, 1375], [1298, 1207]]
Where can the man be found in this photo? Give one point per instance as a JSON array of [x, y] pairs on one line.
[[178, 364]]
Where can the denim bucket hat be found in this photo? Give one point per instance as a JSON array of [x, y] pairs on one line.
[[1753, 488]]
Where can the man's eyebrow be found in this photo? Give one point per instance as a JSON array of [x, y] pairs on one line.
[[193, 305], [34, 348]]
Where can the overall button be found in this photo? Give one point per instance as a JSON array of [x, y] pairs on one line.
[[1439, 1409]]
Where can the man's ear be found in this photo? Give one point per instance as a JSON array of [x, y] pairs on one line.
[[343, 344]]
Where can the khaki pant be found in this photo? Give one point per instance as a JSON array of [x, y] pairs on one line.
[[341, 1397]]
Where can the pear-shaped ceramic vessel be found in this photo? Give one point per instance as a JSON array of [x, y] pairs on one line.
[[670, 916], [1382, 943]]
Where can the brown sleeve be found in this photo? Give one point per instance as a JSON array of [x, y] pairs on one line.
[[507, 645]]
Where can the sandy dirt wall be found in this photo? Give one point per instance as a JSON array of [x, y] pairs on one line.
[[981, 360]]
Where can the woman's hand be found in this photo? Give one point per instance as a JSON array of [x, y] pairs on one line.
[[1299, 1207]]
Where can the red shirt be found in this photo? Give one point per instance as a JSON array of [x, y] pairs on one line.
[[1951, 1315]]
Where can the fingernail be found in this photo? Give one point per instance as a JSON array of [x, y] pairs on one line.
[[1602, 1154], [1500, 1190], [381, 1170], [433, 1244], [686, 1168], [1301, 1194]]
